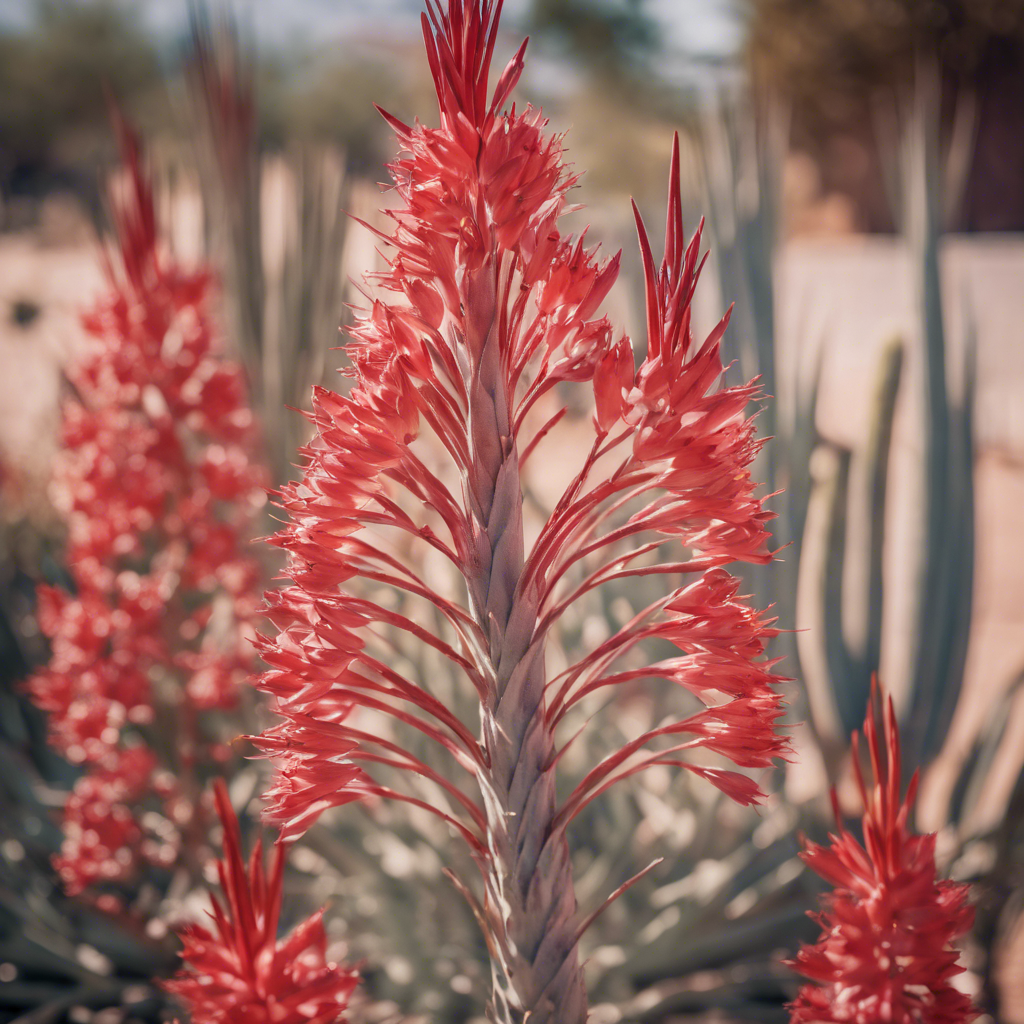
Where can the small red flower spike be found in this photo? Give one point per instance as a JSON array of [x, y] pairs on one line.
[[886, 953], [237, 971]]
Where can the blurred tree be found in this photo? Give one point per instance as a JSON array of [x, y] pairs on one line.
[[611, 36], [833, 57], [611, 90], [54, 129], [333, 103], [52, 79], [830, 51]]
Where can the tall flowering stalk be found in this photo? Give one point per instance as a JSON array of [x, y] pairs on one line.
[[886, 951], [238, 971], [485, 308], [159, 486]]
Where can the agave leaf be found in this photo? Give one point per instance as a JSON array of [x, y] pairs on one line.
[[758, 936], [219, 76], [928, 187], [703, 936], [743, 144], [957, 561], [278, 229], [1000, 901], [972, 782], [887, 382], [746, 992], [796, 440]]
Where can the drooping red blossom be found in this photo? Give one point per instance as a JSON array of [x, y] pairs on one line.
[[237, 971], [159, 485], [484, 309], [886, 955]]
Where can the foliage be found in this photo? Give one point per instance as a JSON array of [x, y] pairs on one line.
[[283, 310], [609, 34], [742, 149], [942, 545], [429, 550], [828, 51]]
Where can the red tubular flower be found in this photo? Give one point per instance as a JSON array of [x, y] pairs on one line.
[[483, 309], [159, 486], [886, 953], [238, 972]]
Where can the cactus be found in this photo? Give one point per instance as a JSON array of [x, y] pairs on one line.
[[836, 672], [945, 566]]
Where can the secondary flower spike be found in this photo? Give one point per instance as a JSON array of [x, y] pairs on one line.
[[238, 971], [886, 953], [484, 315], [159, 483]]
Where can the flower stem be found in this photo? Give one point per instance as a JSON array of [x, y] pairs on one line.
[[537, 975]]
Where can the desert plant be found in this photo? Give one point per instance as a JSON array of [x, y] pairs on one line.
[[743, 140], [888, 930], [743, 143], [240, 970], [837, 674], [159, 486], [483, 313], [942, 550]]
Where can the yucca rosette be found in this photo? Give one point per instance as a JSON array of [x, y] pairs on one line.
[[237, 970], [484, 312], [887, 950]]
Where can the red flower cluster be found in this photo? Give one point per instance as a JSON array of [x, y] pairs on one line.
[[159, 488], [456, 240], [484, 308], [886, 953], [238, 972]]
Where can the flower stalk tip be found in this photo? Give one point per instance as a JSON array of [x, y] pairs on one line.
[[237, 971]]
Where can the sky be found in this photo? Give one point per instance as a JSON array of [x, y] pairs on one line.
[[696, 27]]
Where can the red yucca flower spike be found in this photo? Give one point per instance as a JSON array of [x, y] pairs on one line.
[[483, 309], [238, 972], [159, 487], [886, 954]]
